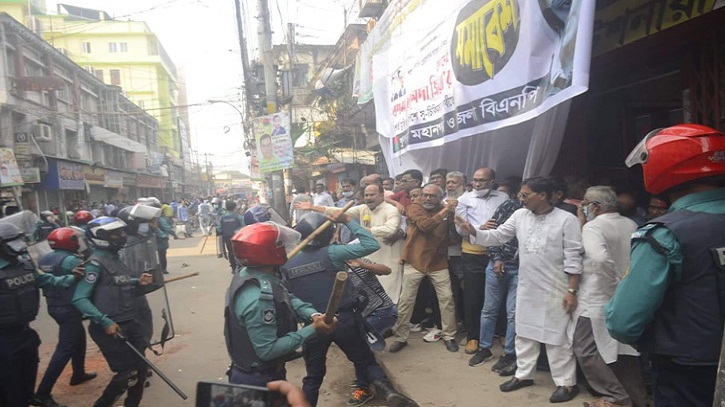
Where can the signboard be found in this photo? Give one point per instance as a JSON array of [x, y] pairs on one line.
[[114, 179], [274, 144], [71, 176], [148, 181], [39, 83], [94, 175], [30, 175], [9, 172], [439, 74]]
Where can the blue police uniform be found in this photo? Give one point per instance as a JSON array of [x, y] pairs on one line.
[[227, 226], [310, 276], [671, 301]]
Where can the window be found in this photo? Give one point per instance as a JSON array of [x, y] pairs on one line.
[[124, 46], [115, 77], [89, 69], [112, 47], [98, 73], [86, 47]]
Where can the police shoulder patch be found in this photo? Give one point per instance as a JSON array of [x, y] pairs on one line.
[[268, 315], [91, 277]]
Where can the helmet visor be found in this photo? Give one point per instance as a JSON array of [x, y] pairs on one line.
[[289, 238], [640, 154], [17, 245]]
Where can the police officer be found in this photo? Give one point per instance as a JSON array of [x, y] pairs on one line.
[[140, 255], [20, 299], [227, 227], [671, 303], [106, 296], [163, 231], [81, 218], [310, 276], [69, 247], [44, 226], [260, 317]]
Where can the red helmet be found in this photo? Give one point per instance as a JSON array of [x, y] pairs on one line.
[[264, 244], [82, 217], [679, 154], [67, 239]]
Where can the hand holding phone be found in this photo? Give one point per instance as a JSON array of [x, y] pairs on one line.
[[209, 394]]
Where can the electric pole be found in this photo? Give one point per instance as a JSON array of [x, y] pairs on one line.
[[270, 82]]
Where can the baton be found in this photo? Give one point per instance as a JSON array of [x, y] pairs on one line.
[[181, 277], [153, 367], [316, 232], [204, 244], [337, 290]]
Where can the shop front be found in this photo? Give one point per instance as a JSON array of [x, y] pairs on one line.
[[149, 185], [63, 186]]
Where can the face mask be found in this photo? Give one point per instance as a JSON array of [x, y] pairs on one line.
[[482, 193], [589, 215], [143, 229], [347, 194], [117, 243]]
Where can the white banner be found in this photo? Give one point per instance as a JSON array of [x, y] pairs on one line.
[[438, 74]]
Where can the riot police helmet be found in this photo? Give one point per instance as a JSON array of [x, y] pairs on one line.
[[81, 218], [12, 241], [106, 233], [256, 214], [264, 244], [67, 238], [311, 221]]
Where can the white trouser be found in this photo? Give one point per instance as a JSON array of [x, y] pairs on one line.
[[561, 361]]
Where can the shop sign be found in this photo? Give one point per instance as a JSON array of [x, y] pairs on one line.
[[94, 175], [9, 171], [129, 180], [71, 176], [31, 175], [148, 181], [114, 179]]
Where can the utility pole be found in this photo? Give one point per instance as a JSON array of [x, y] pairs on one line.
[[270, 82], [245, 66]]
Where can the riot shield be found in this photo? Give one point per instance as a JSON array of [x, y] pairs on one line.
[[25, 221]]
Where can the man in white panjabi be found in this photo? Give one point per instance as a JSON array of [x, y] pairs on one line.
[[611, 368], [383, 221], [550, 255]]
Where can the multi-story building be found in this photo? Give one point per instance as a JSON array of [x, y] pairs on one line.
[[74, 137], [126, 54]]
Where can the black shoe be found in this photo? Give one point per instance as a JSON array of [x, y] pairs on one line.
[[451, 345], [563, 394], [480, 357], [75, 381], [397, 347], [392, 397], [44, 401], [166, 271], [515, 384], [509, 370], [503, 362]]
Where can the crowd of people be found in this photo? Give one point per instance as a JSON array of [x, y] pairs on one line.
[[566, 274]]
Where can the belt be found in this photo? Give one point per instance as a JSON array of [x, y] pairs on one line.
[[272, 369]]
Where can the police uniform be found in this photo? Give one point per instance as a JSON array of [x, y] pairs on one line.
[[163, 231], [260, 327], [43, 229], [310, 275], [672, 301], [71, 334], [19, 304], [227, 226], [106, 295]]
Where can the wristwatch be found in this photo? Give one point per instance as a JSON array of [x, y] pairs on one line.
[[572, 291]]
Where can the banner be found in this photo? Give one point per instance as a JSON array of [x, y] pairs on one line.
[[440, 74], [274, 144], [9, 172]]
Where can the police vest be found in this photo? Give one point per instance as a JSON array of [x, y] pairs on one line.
[[310, 276], [688, 325], [19, 296], [43, 231], [51, 264], [239, 344], [114, 292], [230, 224]]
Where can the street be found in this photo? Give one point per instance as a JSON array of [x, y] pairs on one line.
[[425, 371]]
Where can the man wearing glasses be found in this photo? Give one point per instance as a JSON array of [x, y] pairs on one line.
[[476, 207]]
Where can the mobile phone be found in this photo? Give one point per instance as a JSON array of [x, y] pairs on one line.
[[215, 394]]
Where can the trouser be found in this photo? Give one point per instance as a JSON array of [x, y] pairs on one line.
[[71, 347], [255, 378], [162, 259], [348, 338], [499, 290], [474, 284], [230, 253], [455, 269], [18, 365], [677, 385], [426, 300], [382, 319], [561, 360], [204, 224], [442, 283], [130, 370], [604, 378]]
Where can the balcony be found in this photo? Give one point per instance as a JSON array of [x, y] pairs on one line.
[[372, 8]]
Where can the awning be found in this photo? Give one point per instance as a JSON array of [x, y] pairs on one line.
[[106, 136]]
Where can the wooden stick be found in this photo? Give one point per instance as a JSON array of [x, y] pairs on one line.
[[316, 232], [337, 290], [181, 277]]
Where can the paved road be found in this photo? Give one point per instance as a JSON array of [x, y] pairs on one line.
[[427, 372]]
